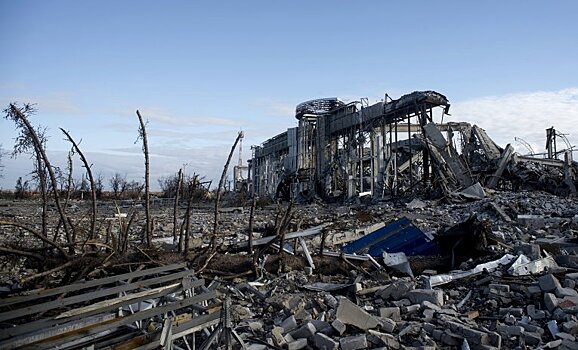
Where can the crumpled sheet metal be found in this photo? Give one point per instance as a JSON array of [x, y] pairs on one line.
[[524, 266], [490, 266]]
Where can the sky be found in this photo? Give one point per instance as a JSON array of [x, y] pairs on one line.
[[200, 72]]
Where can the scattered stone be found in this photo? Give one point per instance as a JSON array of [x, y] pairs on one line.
[[353, 342], [289, 324], [390, 312], [548, 283], [338, 326], [351, 314], [305, 331], [323, 342], [418, 296], [297, 344], [550, 301]]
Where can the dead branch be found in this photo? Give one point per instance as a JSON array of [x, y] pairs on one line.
[[212, 245], [22, 253], [38, 235], [90, 178], [18, 116], [45, 273]]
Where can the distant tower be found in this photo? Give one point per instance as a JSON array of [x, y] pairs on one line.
[[239, 182], [240, 164]]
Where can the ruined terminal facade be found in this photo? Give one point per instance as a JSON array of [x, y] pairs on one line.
[[391, 148]]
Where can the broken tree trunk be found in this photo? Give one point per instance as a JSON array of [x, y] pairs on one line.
[[212, 245], [20, 118], [147, 237], [176, 207]]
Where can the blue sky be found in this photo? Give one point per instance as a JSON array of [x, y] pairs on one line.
[[201, 71]]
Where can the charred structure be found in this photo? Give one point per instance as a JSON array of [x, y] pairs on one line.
[[388, 149]]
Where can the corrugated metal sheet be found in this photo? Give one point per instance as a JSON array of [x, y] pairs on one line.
[[399, 236]]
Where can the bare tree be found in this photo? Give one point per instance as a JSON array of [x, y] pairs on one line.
[[28, 139], [212, 245], [91, 180], [99, 185], [1, 165], [147, 237], [118, 185], [22, 188], [176, 207]]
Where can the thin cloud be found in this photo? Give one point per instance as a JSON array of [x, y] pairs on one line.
[[273, 108], [162, 116], [55, 103]]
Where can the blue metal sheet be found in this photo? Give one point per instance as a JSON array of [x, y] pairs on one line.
[[399, 236]]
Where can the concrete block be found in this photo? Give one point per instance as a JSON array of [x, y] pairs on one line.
[[532, 339], [565, 336], [289, 324], [388, 325], [553, 327], [305, 331], [569, 345], [548, 283], [396, 290], [570, 327], [353, 342], [351, 314], [339, 326], [390, 312], [569, 283], [277, 334], [297, 344], [401, 302], [430, 305], [493, 287], [514, 311], [323, 342], [451, 339], [418, 296], [331, 301], [428, 327], [550, 301], [562, 292], [411, 308], [510, 331], [389, 341]]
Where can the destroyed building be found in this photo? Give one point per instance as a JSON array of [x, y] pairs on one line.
[[388, 149]]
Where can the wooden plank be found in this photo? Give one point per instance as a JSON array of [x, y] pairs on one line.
[[43, 293], [125, 299], [196, 324], [117, 322], [48, 323], [89, 296]]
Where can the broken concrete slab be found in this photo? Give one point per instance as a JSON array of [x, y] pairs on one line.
[[350, 314], [353, 342], [418, 296]]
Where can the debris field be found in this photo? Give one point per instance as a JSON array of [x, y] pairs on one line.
[[344, 235]]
